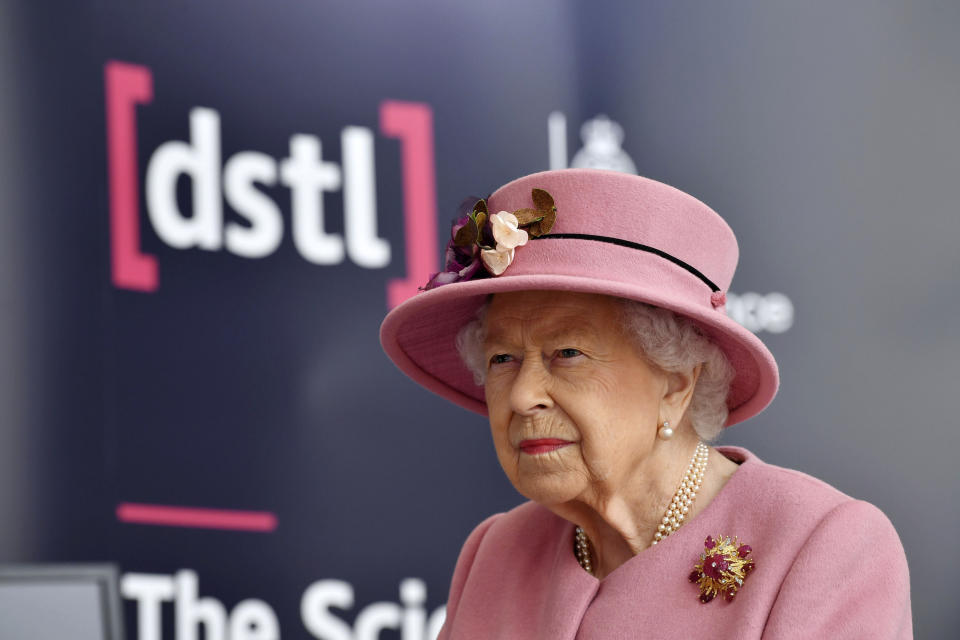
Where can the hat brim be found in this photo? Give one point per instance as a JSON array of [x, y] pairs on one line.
[[419, 337]]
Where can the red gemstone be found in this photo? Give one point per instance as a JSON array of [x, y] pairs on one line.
[[709, 543], [714, 566], [744, 550], [730, 595], [706, 597], [747, 568], [694, 576]]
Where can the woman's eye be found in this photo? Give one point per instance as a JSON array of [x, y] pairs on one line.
[[500, 358], [569, 353]]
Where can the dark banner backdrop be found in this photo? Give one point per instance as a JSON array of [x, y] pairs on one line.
[[209, 207]]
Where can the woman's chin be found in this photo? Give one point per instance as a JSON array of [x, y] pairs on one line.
[[547, 477], [549, 488]]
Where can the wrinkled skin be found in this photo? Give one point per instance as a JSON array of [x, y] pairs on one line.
[[560, 366]]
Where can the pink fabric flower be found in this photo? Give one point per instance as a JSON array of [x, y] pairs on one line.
[[460, 263], [497, 261], [481, 240], [506, 231]]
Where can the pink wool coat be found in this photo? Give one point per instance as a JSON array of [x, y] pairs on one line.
[[827, 566]]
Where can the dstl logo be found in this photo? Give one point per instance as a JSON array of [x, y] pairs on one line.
[[234, 181]]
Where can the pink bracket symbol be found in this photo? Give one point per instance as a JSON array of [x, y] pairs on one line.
[[412, 123]]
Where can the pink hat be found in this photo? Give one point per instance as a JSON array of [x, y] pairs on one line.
[[615, 234]]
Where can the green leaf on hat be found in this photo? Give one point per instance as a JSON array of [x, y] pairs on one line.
[[537, 222], [544, 226], [542, 199], [467, 234], [528, 216]]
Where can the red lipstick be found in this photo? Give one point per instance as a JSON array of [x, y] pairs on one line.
[[542, 445]]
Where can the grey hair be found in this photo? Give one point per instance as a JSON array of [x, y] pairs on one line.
[[469, 343], [668, 341]]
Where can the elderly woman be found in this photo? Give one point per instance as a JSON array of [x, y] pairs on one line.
[[583, 312]]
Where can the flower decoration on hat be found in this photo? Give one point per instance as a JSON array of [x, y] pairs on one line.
[[724, 566], [483, 244]]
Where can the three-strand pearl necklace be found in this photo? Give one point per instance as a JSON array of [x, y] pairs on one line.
[[676, 513]]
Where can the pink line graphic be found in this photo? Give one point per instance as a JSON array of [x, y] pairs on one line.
[[171, 516]]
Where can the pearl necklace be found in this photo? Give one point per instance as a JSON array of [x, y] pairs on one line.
[[581, 549], [679, 508]]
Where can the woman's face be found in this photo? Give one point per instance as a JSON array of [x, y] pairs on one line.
[[573, 406]]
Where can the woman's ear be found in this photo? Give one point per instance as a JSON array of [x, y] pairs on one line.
[[679, 392]]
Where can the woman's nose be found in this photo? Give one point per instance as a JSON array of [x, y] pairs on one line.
[[529, 393]]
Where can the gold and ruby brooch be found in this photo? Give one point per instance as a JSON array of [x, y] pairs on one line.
[[723, 567]]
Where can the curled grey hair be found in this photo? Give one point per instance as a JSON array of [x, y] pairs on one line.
[[668, 341]]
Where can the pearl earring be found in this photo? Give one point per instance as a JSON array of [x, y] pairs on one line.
[[665, 432]]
